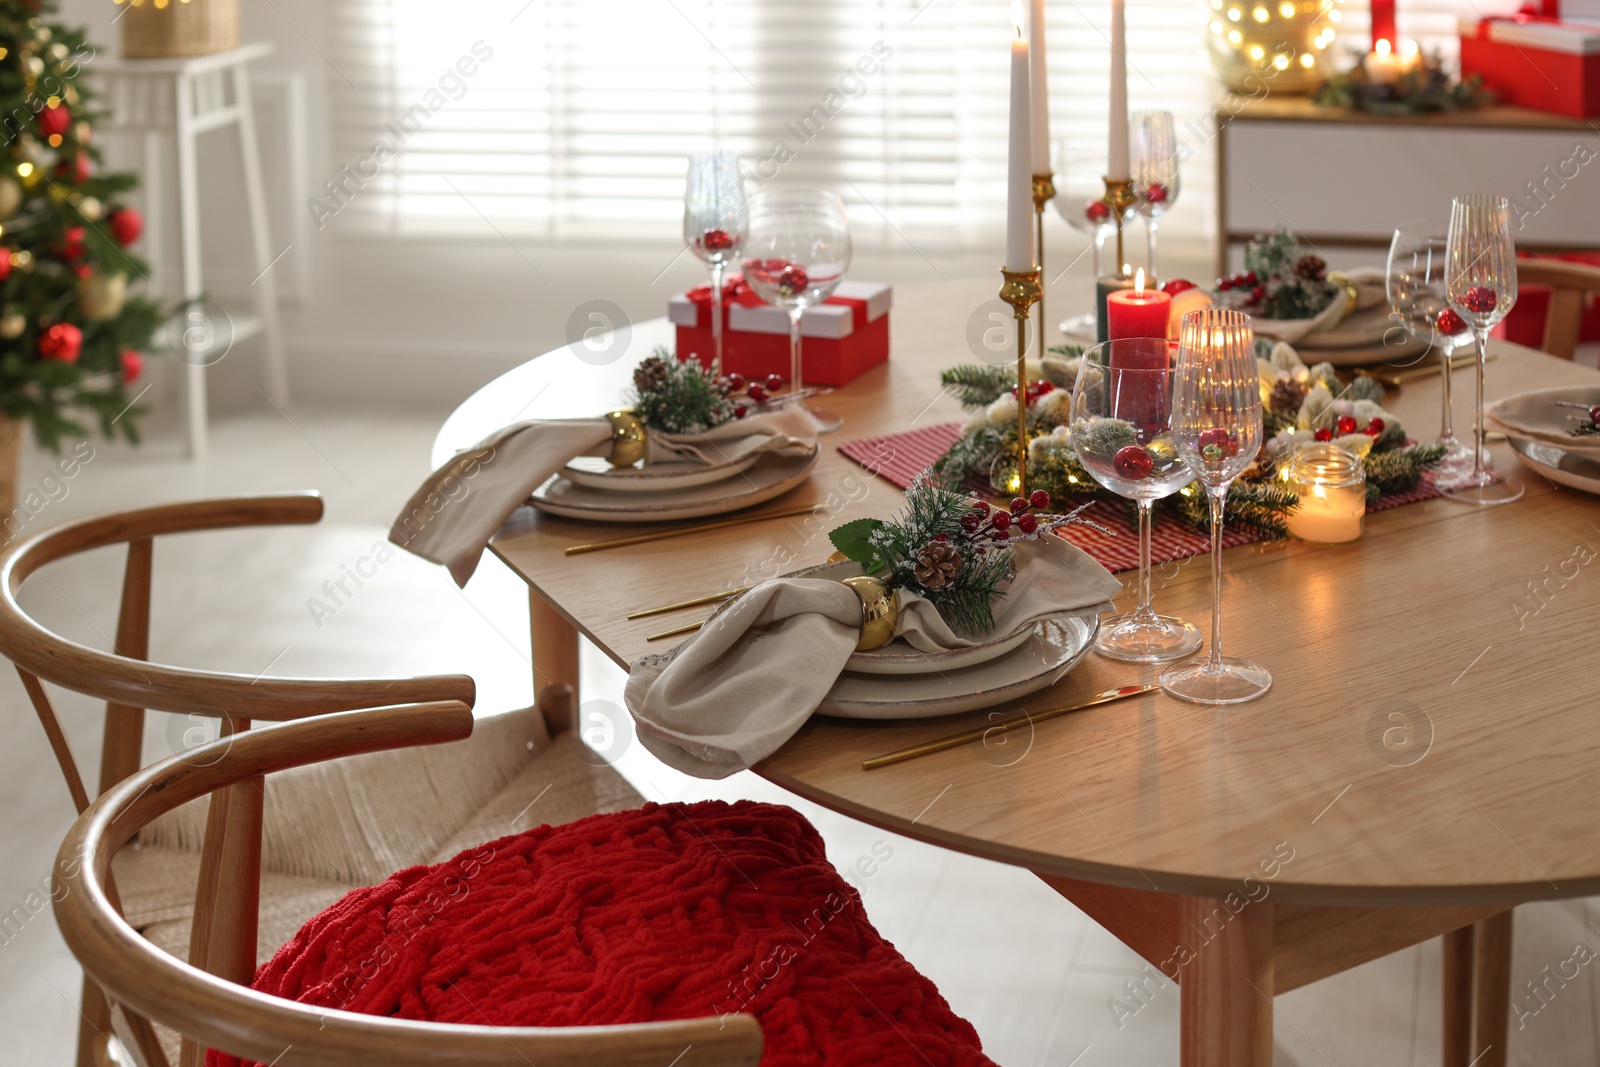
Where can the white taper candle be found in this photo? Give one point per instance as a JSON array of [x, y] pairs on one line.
[[1019, 176], [1117, 154]]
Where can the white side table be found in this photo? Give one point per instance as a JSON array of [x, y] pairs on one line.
[[180, 99]]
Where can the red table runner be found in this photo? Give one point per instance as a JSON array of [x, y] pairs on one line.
[[900, 457]]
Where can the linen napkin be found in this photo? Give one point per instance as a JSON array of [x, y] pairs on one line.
[[451, 517], [1329, 328], [1538, 416], [733, 693]]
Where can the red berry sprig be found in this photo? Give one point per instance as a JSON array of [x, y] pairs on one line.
[[1036, 390], [747, 396], [984, 525]]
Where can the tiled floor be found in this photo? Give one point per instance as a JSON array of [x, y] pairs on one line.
[[1043, 984]]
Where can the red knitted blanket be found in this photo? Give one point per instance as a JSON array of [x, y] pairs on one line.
[[668, 912]]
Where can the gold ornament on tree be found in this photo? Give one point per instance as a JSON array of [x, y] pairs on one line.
[[11, 325], [10, 196], [101, 296], [1280, 46], [91, 208]]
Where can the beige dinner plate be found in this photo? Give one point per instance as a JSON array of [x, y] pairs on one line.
[[1562, 467], [1540, 416], [593, 472], [898, 657], [771, 477], [1052, 649]]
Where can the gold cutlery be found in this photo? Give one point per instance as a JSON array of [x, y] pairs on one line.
[[662, 535], [979, 732], [1394, 379], [689, 629], [711, 598]]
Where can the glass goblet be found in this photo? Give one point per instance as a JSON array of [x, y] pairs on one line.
[[1080, 201], [1122, 432], [797, 247], [1415, 282], [1480, 279], [713, 226], [1216, 423], [1155, 174]]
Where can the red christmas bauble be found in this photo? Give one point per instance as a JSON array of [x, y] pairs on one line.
[[83, 271], [1449, 323], [75, 170], [1481, 299], [1176, 286], [1594, 415], [1220, 438], [5, 263], [71, 246], [716, 241], [132, 364], [54, 120], [1156, 194], [61, 343], [1096, 211], [1345, 425], [1133, 462], [126, 225], [793, 280]]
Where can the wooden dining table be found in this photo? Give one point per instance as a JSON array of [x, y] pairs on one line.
[[1423, 762]]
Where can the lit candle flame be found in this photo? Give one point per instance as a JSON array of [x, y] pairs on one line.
[[1016, 16], [1383, 47], [1138, 283]]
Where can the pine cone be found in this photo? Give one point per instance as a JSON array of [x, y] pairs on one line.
[[938, 563], [1287, 395], [1312, 268], [650, 375]]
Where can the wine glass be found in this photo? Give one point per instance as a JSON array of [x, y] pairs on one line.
[[1415, 280], [1480, 279], [1155, 174], [1216, 423], [797, 247], [1122, 433], [713, 225], [1081, 200]]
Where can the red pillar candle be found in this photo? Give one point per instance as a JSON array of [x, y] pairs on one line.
[[1383, 24], [1137, 312]]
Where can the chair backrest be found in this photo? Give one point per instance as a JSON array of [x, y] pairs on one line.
[[1569, 283], [130, 684], [148, 984]]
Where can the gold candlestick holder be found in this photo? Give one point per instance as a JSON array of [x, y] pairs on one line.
[[1119, 198], [1021, 289], [1044, 190]]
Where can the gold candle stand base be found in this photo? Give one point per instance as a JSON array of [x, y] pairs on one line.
[[1021, 289]]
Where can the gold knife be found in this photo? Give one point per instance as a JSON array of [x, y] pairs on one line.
[[980, 732]]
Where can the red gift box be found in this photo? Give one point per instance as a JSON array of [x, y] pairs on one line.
[[841, 338], [1536, 62]]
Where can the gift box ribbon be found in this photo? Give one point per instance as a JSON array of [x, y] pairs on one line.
[[735, 290]]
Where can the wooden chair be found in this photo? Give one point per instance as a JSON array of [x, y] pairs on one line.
[[1569, 283], [148, 984], [309, 861]]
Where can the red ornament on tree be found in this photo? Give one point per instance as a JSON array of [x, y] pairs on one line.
[[71, 246], [132, 364], [126, 225], [54, 120], [75, 170], [1481, 300], [5, 263], [61, 343], [1133, 462], [83, 271]]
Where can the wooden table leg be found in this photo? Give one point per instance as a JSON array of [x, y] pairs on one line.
[[1457, 982], [1491, 989], [1226, 988], [555, 646]]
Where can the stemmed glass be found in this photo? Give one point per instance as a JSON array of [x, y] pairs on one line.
[[1155, 173], [797, 247], [1216, 423], [1080, 200], [1416, 295], [1480, 278], [713, 226], [1122, 433]]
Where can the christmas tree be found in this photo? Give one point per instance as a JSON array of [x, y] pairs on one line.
[[71, 338]]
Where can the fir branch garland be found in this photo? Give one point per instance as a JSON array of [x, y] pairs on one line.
[[977, 385], [677, 397]]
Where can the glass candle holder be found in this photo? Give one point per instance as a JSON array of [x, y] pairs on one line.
[[1332, 486]]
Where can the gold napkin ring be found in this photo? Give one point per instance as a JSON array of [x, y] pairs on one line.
[[627, 438], [1352, 294], [879, 612]]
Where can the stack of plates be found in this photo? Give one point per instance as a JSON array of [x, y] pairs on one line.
[[898, 682], [591, 488], [1537, 425], [1366, 337]]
